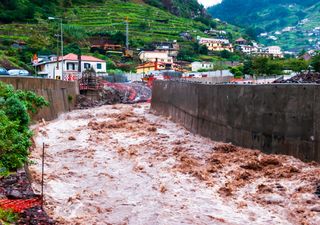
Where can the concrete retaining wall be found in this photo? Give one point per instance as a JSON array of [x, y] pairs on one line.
[[281, 118], [210, 80], [61, 94]]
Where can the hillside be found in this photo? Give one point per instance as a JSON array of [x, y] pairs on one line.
[[291, 24], [84, 21], [27, 10], [25, 21]]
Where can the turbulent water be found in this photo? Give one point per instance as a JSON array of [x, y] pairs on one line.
[[123, 165]]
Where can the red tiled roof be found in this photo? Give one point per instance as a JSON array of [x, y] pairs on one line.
[[74, 57], [240, 40]]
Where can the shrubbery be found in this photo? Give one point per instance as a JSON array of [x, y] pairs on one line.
[[15, 110]]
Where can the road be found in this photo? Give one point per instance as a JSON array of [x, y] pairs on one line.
[[122, 164]]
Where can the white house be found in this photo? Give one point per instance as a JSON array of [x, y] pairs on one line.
[[216, 44], [196, 66], [274, 51], [248, 49], [152, 56], [53, 68]]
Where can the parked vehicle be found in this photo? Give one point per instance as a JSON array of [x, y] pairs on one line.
[[17, 72], [3, 71]]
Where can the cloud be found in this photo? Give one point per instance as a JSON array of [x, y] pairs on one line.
[[208, 3]]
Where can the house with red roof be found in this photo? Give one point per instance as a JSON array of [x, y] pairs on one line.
[[51, 67]]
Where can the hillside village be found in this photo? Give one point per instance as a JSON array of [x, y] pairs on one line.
[[290, 24], [310, 35], [162, 56], [138, 46]]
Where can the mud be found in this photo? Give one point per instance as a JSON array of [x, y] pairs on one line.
[[124, 165]]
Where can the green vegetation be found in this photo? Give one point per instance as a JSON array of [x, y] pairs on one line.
[[262, 66], [7, 217], [149, 21], [271, 16], [237, 71], [315, 62], [15, 107]]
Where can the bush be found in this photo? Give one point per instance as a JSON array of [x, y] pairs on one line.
[[315, 62], [15, 107], [8, 216]]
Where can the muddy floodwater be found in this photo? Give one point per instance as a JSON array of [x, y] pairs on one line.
[[124, 165]]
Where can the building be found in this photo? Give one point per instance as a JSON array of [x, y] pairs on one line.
[[51, 67], [248, 49], [170, 48], [196, 66], [274, 51], [241, 41], [148, 67], [216, 33], [186, 36], [216, 44], [153, 56]]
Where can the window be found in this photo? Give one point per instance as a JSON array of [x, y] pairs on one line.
[[99, 66], [87, 65], [71, 66]]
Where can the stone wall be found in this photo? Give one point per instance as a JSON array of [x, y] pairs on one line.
[[61, 94], [276, 118]]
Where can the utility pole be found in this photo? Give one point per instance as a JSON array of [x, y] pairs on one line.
[[62, 66], [61, 39], [127, 33]]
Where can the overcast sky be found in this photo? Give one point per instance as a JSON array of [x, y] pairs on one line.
[[208, 3]]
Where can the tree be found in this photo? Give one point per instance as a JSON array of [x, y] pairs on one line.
[[259, 65], [296, 65], [237, 71], [315, 62], [247, 67], [203, 50]]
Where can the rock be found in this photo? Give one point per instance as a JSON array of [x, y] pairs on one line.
[[14, 194], [315, 209], [317, 192], [72, 138], [10, 180]]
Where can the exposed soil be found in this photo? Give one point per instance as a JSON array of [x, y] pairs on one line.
[[308, 77], [17, 187], [123, 165]]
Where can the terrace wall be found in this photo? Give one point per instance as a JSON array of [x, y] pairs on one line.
[[277, 118]]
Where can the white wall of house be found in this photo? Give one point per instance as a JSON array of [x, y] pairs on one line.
[[71, 67], [248, 49], [196, 66], [274, 50], [152, 56], [216, 44]]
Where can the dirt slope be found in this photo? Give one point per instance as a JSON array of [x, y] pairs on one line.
[[123, 165]]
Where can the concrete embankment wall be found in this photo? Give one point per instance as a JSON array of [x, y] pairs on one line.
[[210, 80], [61, 94], [277, 118]]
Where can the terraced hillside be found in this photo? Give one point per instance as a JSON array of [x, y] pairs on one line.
[[84, 20], [146, 23]]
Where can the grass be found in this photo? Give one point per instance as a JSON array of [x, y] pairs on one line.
[[7, 217], [111, 15]]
